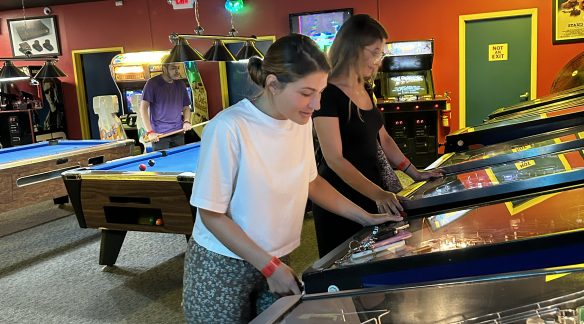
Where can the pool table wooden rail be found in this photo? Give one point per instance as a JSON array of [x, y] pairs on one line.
[[29, 181]]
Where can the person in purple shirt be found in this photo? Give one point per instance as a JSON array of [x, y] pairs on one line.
[[165, 108]]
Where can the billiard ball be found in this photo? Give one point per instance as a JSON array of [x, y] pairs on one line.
[[159, 221], [142, 167], [151, 162]]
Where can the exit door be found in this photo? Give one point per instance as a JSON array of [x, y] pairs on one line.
[[498, 56]]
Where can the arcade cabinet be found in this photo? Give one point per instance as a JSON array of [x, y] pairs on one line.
[[405, 95], [19, 119], [130, 72]]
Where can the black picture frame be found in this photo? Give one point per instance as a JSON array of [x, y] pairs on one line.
[[568, 22], [38, 36]]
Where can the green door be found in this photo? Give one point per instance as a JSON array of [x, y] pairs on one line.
[[498, 59]]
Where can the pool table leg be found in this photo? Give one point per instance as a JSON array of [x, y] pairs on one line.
[[111, 243]]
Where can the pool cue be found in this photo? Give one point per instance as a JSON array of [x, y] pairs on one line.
[[178, 131]]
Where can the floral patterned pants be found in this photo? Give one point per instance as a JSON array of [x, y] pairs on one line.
[[220, 289]]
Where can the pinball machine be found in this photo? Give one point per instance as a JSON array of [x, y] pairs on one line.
[[515, 216], [568, 94], [516, 149], [519, 124], [405, 94], [545, 296]]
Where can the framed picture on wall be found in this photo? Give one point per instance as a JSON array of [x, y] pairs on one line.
[[568, 21], [34, 35]]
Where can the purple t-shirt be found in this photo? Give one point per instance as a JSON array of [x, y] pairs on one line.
[[166, 103]]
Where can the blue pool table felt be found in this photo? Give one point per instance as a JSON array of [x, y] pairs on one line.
[[41, 149], [179, 159]]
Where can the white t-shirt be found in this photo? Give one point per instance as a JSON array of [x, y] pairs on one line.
[[256, 170]]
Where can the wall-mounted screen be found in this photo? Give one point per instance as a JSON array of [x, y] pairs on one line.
[[321, 26]]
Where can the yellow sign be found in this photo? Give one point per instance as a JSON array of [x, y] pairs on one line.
[[521, 148], [524, 164], [498, 52]]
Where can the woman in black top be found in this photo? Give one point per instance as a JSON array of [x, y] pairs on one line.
[[349, 126]]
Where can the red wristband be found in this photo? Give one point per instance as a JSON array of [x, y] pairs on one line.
[[150, 132], [403, 164], [271, 267]]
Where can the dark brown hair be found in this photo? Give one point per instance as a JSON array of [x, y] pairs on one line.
[[290, 58]]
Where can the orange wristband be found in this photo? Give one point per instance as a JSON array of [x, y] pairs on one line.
[[403, 164], [271, 267]]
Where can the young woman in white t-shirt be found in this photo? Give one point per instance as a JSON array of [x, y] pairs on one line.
[[256, 171]]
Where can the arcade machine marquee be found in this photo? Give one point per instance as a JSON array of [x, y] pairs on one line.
[[407, 99]]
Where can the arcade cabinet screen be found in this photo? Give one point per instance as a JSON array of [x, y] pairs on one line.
[[321, 26], [411, 83], [133, 98]]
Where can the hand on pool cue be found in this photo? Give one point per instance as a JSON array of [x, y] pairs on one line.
[[154, 137]]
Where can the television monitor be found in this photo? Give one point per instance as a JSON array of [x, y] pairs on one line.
[[321, 26], [408, 83]]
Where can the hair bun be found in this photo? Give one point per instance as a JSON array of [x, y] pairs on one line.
[[254, 67], [256, 60]]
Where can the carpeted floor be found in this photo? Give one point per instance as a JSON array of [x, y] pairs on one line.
[[49, 271], [50, 274], [37, 214]]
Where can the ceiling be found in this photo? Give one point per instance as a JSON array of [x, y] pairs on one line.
[[17, 4]]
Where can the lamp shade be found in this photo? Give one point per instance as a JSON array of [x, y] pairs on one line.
[[48, 71], [10, 72], [183, 52], [219, 52], [248, 50]]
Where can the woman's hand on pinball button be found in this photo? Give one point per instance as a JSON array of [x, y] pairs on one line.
[[427, 175], [388, 202], [283, 281], [375, 219]]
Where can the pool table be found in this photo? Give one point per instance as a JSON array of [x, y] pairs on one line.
[[32, 173], [117, 196]]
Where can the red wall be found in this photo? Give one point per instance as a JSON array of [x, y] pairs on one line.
[[141, 25], [439, 20]]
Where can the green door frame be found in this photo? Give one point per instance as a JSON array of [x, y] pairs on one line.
[[462, 21]]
